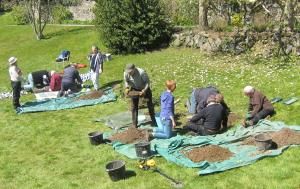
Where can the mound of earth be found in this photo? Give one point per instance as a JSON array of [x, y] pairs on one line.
[[210, 153], [233, 119], [285, 137], [131, 135], [91, 95]]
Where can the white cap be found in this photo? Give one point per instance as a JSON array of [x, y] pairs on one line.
[[248, 89], [12, 60]]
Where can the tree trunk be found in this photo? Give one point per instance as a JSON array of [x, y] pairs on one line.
[[203, 14], [289, 13]]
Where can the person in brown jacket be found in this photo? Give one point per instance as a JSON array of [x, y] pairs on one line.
[[259, 106]]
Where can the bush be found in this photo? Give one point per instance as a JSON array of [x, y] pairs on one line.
[[20, 15], [60, 14], [260, 22], [132, 26], [219, 24], [237, 20]]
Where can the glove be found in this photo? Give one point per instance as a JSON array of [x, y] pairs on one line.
[[126, 91]]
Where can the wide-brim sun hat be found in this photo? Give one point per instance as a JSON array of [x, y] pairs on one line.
[[12, 60]]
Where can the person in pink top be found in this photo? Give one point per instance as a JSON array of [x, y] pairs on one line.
[[55, 81]]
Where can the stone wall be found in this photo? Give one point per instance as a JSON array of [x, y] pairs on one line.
[[264, 43], [84, 11]]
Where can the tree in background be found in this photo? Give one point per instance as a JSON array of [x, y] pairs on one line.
[[132, 26], [39, 15], [203, 14]]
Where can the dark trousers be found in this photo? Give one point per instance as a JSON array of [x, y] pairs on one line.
[[135, 108], [261, 115], [72, 86], [200, 129], [16, 87]]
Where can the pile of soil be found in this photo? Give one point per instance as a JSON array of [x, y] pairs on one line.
[[91, 95], [131, 135], [210, 153], [233, 119], [249, 141], [285, 137]]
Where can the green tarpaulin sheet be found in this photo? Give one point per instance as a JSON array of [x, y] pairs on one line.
[[171, 149], [65, 102]]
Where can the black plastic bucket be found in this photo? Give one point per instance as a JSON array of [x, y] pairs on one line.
[[96, 138], [116, 170], [263, 141], [143, 149]]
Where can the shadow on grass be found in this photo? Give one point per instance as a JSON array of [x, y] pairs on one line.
[[112, 84], [129, 173], [64, 31]]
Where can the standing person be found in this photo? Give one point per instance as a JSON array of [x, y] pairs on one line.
[[55, 81], [167, 112], [259, 106], [70, 80], [210, 120], [96, 66], [136, 79], [15, 74]]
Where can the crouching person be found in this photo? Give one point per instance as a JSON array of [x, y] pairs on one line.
[[167, 120], [259, 106], [210, 120], [71, 80]]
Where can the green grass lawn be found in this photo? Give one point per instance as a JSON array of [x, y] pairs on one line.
[[51, 149]]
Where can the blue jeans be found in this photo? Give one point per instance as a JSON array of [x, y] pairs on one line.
[[191, 104], [164, 129], [29, 86]]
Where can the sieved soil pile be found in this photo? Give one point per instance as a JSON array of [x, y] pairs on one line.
[[285, 137], [131, 135], [249, 141], [210, 153], [91, 95], [233, 119]]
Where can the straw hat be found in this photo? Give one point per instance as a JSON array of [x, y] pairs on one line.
[[12, 60]]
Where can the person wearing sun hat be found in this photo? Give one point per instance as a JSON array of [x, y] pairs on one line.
[[15, 74], [137, 80]]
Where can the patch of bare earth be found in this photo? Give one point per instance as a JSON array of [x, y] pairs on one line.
[[210, 153], [131, 135], [91, 95]]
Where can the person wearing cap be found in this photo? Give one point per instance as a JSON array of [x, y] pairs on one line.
[[55, 82], [210, 120], [136, 79], [259, 106], [71, 80], [15, 74], [96, 66], [38, 79]]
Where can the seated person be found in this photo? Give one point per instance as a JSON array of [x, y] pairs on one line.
[[259, 106], [164, 129], [71, 81], [55, 82], [210, 120], [38, 79], [198, 99]]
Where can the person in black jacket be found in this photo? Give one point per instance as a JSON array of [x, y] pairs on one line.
[[210, 120], [38, 79]]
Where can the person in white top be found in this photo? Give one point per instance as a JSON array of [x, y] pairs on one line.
[[15, 74], [96, 66]]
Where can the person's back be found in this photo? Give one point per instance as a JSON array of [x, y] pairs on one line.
[[40, 78], [55, 83], [202, 94], [213, 116], [70, 74]]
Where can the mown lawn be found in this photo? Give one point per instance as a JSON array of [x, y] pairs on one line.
[[51, 149]]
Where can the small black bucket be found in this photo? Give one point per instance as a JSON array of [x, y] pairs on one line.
[[116, 170], [143, 149], [263, 141], [96, 138]]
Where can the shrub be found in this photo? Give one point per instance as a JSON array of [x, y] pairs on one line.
[[60, 14], [219, 24], [131, 26], [237, 20], [20, 15], [260, 22]]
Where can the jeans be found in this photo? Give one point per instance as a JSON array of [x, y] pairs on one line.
[[164, 129], [95, 80], [191, 104], [16, 86], [29, 86]]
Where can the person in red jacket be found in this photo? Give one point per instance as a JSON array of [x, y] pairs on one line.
[[55, 82]]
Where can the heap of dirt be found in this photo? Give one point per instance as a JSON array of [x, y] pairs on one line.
[[131, 135], [249, 141], [285, 137], [210, 153], [233, 119], [91, 95]]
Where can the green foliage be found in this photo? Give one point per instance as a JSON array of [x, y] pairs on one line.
[[132, 26], [219, 24], [260, 23], [237, 20], [20, 15], [69, 2], [60, 13]]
